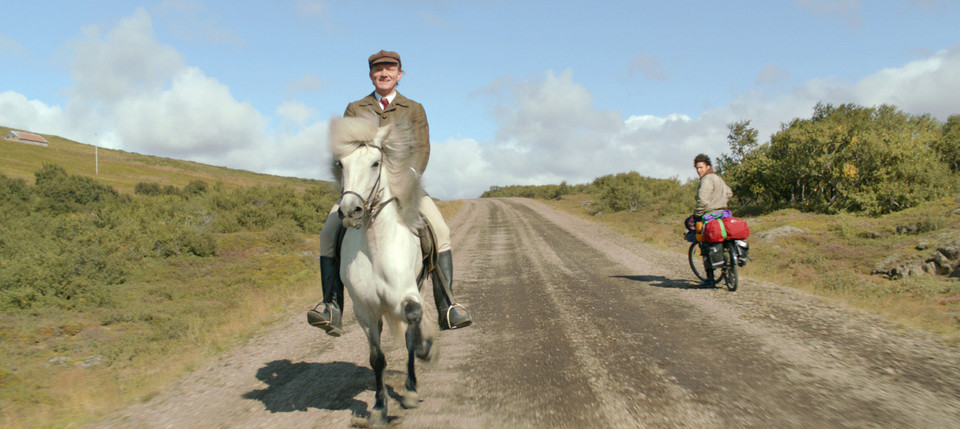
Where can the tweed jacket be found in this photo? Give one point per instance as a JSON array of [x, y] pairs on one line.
[[712, 194], [402, 112]]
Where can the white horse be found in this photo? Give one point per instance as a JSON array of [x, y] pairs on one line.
[[380, 254]]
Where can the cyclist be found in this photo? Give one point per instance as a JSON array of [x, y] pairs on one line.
[[712, 194]]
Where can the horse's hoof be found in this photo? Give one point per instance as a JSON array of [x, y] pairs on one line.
[[410, 400], [378, 418], [428, 350]]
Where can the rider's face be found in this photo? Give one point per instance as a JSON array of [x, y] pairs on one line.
[[385, 77], [702, 168]]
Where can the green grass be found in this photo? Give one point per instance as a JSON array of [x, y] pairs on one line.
[[168, 318], [123, 170], [834, 258], [64, 366]]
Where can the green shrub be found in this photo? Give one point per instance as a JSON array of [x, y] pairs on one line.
[[147, 188], [195, 188], [19, 298], [153, 189], [546, 192], [198, 243], [14, 197], [284, 231], [62, 261], [631, 191], [846, 158], [62, 193], [69, 242]]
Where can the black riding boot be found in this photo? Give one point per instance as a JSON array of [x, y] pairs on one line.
[[330, 319], [451, 315]]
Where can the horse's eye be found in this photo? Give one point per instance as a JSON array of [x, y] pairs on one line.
[[338, 164], [376, 164]]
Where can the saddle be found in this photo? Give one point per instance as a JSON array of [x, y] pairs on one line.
[[428, 249]]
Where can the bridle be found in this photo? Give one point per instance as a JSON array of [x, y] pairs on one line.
[[372, 206]]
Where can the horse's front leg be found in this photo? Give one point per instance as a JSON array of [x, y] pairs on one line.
[[418, 346], [378, 416], [413, 312]]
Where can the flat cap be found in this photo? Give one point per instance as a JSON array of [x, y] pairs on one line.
[[384, 57]]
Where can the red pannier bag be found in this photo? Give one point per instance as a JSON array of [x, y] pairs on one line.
[[714, 231], [717, 230], [737, 229]]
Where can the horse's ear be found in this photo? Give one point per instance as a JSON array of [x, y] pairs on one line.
[[382, 134]]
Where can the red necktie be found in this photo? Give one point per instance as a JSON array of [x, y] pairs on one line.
[[384, 102]]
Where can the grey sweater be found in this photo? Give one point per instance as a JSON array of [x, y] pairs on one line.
[[712, 194]]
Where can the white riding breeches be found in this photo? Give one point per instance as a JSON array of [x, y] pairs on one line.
[[429, 210]]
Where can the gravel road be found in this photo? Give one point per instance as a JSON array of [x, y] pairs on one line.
[[577, 326]]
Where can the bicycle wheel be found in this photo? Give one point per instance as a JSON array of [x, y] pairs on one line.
[[731, 275], [696, 261]]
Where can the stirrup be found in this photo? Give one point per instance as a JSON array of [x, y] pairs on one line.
[[447, 318], [315, 316], [334, 326]]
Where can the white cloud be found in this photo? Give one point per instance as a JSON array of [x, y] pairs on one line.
[[137, 94], [191, 20], [458, 169], [771, 74], [149, 101], [848, 10], [308, 82], [295, 111], [550, 132], [197, 116], [9, 46], [648, 65], [312, 7], [30, 115], [301, 154], [126, 60], [924, 86]]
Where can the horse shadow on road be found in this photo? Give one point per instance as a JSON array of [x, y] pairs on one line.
[[664, 282], [302, 385]]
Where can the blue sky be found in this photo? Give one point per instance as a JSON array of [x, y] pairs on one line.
[[516, 92]]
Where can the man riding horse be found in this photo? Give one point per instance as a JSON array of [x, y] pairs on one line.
[[390, 107]]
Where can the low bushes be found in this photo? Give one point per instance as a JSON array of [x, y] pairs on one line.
[[66, 241]]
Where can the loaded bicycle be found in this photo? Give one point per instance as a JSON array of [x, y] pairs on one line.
[[734, 255], [718, 244]]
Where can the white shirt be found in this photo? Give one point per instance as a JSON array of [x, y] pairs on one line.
[[388, 97]]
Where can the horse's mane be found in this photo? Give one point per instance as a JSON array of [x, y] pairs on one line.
[[399, 149]]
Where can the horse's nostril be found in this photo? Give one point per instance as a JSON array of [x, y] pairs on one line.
[[357, 210]]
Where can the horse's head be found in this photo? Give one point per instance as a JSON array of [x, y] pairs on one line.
[[373, 166]]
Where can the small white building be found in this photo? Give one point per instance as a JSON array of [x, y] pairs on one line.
[[25, 137]]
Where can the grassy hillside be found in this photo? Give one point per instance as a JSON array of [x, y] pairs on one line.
[[104, 305], [123, 170]]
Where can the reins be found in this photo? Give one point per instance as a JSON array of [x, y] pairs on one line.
[[372, 206]]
